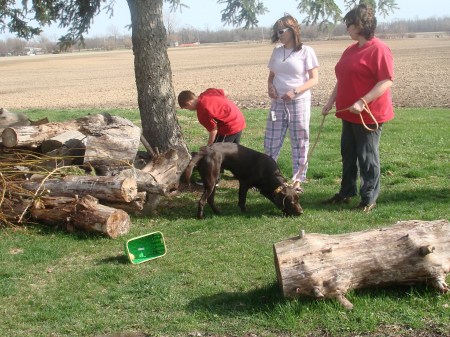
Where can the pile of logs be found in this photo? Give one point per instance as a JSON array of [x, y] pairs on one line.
[[113, 179]]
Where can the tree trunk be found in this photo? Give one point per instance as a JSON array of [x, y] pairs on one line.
[[156, 98], [328, 266], [85, 214], [106, 188]]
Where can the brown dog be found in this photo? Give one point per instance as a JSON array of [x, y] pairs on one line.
[[251, 168]]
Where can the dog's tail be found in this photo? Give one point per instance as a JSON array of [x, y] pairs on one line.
[[194, 160]]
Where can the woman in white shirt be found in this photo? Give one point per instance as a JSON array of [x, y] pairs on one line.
[[293, 71]]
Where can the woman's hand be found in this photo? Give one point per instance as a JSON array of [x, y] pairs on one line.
[[289, 95], [357, 107], [272, 91], [327, 108]]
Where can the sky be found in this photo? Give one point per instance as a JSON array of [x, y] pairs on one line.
[[205, 14]]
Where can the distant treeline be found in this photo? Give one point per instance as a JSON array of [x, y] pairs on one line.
[[191, 35]]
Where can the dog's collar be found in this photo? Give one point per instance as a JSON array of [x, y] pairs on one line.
[[278, 189]]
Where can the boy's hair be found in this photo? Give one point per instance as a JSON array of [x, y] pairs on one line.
[[184, 97]]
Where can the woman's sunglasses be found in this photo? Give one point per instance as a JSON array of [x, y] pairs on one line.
[[282, 31]]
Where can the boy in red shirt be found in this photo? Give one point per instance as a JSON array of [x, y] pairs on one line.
[[220, 116]]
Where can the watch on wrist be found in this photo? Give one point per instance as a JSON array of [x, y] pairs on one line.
[[296, 92]]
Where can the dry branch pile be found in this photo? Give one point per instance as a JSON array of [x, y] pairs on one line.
[[80, 174]]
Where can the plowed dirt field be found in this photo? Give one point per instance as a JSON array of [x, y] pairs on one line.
[[106, 79]]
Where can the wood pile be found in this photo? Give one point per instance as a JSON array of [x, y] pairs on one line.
[[85, 174]]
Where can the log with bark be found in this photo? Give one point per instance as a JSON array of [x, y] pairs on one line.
[[69, 139], [14, 210], [328, 266], [64, 149], [112, 148], [84, 214], [33, 135], [106, 188], [159, 176], [134, 207]]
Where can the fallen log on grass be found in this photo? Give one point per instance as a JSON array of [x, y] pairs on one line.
[[84, 214], [328, 266]]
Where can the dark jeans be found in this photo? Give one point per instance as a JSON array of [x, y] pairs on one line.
[[360, 150], [234, 138]]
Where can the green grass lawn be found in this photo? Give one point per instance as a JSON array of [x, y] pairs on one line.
[[218, 276]]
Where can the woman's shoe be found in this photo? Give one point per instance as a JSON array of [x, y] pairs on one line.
[[366, 208]]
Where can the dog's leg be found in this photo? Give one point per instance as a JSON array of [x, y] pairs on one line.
[[211, 201], [243, 189], [211, 184], [209, 170], [201, 203]]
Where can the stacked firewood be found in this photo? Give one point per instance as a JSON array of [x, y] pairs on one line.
[[86, 173]]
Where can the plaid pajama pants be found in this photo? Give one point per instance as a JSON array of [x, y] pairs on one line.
[[293, 115]]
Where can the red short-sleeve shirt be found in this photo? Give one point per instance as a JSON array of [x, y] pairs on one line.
[[357, 72], [215, 109]]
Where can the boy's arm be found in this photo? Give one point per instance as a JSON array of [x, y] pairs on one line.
[[212, 136]]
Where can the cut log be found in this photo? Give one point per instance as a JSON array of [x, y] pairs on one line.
[[14, 210], [106, 188], [328, 266], [32, 136], [11, 119], [164, 169], [112, 148], [64, 149], [84, 214], [69, 139], [134, 207]]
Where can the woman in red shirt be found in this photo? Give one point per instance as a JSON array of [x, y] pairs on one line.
[[364, 75]]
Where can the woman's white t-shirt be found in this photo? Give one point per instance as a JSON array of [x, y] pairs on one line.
[[291, 68]]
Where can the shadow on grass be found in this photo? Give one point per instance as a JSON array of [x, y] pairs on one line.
[[267, 299], [230, 303], [419, 196], [226, 200], [118, 259]]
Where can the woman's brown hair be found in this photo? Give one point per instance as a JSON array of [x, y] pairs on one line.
[[287, 21], [363, 17]]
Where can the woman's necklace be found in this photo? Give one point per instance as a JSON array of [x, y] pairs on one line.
[[284, 53]]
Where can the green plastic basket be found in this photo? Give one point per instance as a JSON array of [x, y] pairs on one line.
[[145, 247]]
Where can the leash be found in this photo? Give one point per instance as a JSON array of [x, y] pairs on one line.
[[366, 108]]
